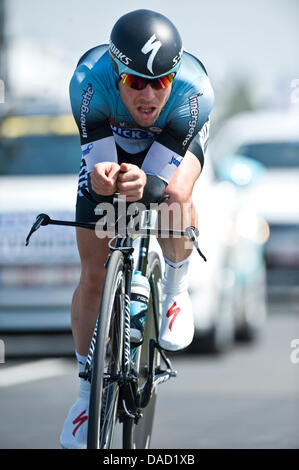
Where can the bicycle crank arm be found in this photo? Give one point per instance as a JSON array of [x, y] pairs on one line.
[[155, 376]]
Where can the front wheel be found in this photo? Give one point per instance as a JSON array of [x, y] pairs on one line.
[[107, 358], [138, 436]]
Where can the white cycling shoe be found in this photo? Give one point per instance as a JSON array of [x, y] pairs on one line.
[[74, 432], [177, 326]]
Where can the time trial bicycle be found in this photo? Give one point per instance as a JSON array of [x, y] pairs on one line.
[[124, 377]]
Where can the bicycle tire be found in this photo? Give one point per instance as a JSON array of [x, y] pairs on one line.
[[138, 436], [107, 357]]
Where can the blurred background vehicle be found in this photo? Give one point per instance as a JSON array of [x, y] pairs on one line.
[[39, 163], [228, 292], [262, 148]]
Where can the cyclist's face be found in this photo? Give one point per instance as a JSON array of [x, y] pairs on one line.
[[144, 105]]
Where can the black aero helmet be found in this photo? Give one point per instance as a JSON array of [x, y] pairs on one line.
[[145, 43]]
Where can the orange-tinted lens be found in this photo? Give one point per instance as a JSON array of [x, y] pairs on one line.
[[139, 83], [133, 81], [163, 82]]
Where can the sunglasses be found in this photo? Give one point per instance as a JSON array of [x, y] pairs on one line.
[[139, 83]]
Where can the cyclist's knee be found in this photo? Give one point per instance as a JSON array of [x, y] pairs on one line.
[[92, 275], [93, 254]]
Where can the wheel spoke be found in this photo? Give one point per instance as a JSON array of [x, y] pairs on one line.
[[138, 435], [107, 358]]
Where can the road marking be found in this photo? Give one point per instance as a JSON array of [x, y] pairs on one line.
[[37, 370]]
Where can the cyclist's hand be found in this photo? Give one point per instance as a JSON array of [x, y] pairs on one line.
[[104, 177], [131, 181]]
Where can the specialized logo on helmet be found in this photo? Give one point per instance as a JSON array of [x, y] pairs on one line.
[[178, 57], [151, 46], [119, 55]]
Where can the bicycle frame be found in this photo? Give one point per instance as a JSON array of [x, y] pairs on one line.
[[132, 399]]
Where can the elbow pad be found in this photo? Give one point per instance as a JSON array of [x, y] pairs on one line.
[[153, 190]]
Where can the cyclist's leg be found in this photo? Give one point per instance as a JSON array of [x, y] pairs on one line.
[[84, 312], [177, 328], [180, 190], [86, 299]]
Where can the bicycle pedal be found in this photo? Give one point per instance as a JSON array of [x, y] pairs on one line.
[[85, 375]]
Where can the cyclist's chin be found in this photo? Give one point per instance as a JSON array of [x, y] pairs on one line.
[[146, 119]]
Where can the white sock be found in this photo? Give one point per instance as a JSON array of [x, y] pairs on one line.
[[179, 263], [84, 389], [176, 276], [81, 359]]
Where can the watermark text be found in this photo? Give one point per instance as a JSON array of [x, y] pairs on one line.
[[2, 91], [2, 351], [169, 222], [295, 351], [295, 92]]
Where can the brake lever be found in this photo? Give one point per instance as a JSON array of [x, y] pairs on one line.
[[193, 233], [41, 219]]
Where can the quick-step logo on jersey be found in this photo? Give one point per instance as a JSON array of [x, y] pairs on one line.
[[172, 311], [81, 418], [132, 133]]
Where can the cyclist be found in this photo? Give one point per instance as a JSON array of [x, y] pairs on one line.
[[142, 105]]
